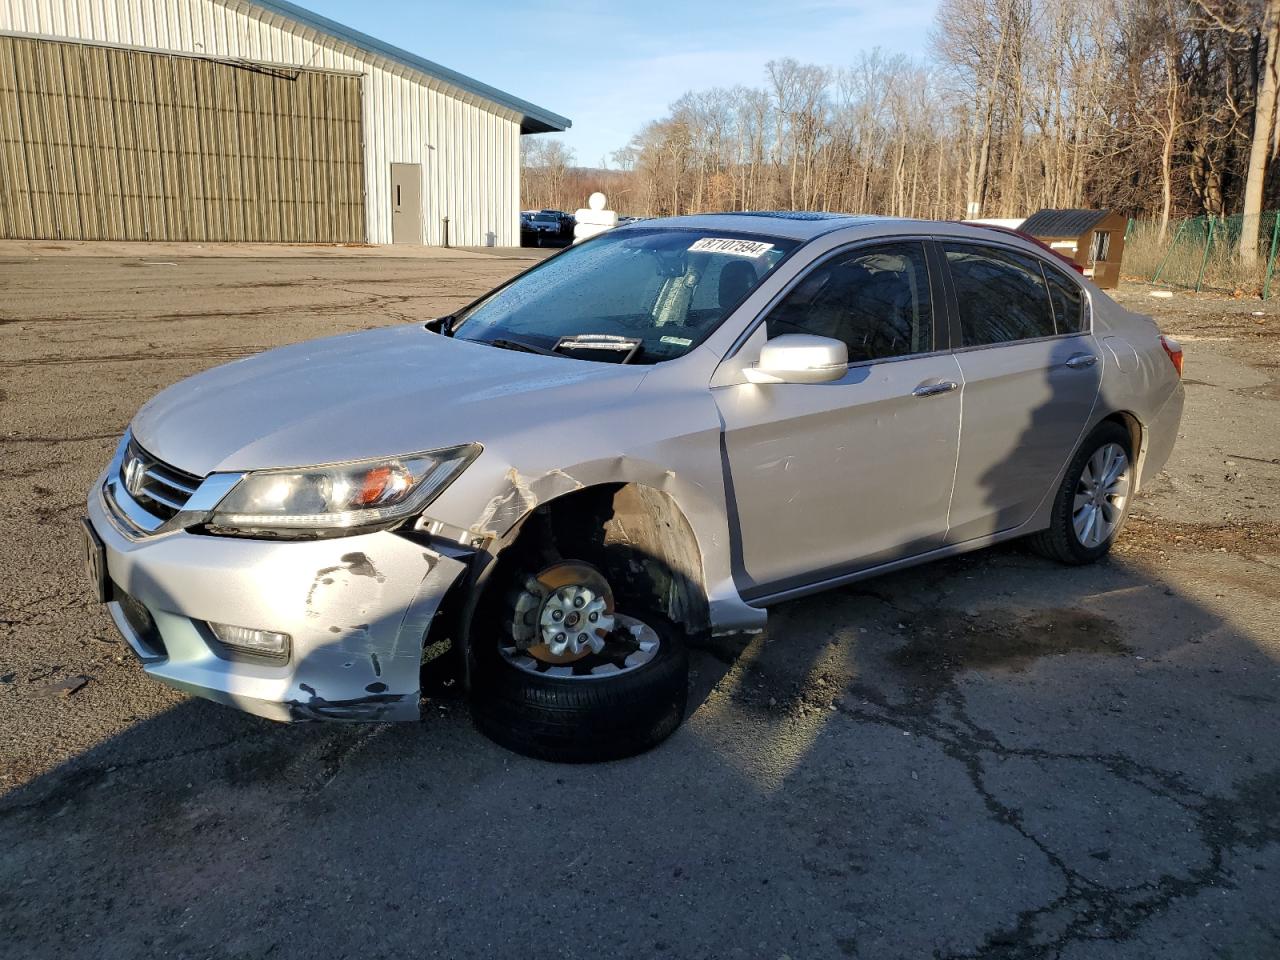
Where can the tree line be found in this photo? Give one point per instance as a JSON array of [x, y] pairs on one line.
[[1157, 108]]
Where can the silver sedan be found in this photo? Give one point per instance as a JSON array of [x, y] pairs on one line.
[[642, 441]]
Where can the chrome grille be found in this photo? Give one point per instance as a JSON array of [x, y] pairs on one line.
[[158, 488]]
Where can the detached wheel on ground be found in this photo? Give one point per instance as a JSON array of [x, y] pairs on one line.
[[562, 674], [1092, 503]]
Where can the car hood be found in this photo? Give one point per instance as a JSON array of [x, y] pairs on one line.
[[382, 392]]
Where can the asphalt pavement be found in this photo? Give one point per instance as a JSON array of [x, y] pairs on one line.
[[988, 757]]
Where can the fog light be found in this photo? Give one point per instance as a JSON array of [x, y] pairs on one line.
[[262, 643]]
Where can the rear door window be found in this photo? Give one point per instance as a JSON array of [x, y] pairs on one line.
[[1001, 295]]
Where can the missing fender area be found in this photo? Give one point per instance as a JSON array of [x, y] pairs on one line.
[[640, 541], [522, 496]]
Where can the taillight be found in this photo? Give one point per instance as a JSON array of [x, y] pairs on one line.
[[1173, 349]]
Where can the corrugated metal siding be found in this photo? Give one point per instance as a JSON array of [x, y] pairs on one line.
[[118, 144], [470, 152]]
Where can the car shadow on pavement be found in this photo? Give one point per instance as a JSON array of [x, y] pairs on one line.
[[990, 756]]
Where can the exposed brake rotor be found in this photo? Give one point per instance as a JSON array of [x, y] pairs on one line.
[[564, 613]]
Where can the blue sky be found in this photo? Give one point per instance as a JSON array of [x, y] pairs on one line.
[[609, 67]]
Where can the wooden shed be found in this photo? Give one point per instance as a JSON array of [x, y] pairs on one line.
[[1092, 238]]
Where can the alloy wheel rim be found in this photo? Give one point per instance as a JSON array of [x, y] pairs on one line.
[[1102, 493], [565, 625], [631, 645]]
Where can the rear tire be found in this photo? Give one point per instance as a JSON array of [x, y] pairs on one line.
[[1070, 538]]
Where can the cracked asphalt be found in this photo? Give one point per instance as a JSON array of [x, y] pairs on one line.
[[987, 757]]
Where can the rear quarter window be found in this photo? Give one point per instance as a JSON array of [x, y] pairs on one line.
[[1068, 303], [1001, 295]]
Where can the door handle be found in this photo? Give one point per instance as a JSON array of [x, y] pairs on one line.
[[1081, 360], [933, 389]]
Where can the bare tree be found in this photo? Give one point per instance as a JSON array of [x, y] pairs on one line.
[[1154, 107], [1262, 21], [544, 166]]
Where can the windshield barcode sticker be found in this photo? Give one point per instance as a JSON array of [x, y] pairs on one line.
[[741, 248]]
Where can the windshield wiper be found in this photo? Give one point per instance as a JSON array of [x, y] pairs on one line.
[[625, 348], [525, 346]]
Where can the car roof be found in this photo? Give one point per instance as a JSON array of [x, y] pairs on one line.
[[794, 225], [805, 226]]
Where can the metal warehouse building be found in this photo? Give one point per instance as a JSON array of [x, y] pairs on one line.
[[251, 120]]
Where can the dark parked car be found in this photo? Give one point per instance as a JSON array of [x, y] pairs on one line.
[[541, 228]]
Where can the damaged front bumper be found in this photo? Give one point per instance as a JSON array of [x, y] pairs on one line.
[[357, 610]]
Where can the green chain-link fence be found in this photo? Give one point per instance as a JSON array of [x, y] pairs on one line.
[[1203, 253]]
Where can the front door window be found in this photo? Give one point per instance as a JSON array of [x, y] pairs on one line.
[[876, 300]]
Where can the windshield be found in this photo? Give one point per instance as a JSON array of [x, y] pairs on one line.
[[546, 217], [639, 295]]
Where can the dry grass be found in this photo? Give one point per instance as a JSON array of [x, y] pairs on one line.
[[1180, 263]]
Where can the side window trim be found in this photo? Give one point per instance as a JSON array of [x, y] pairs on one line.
[[955, 337], [1053, 306], [946, 315], [940, 332], [953, 303]]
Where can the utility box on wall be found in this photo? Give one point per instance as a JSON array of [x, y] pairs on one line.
[[1092, 238]]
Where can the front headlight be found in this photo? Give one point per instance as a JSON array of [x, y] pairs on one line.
[[339, 498]]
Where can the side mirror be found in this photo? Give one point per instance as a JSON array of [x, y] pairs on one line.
[[800, 358]]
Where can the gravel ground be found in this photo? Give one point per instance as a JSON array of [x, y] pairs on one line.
[[988, 757]]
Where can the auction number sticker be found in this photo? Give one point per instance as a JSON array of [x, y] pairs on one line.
[[740, 248]]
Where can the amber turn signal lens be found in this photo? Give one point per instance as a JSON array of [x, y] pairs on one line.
[[372, 488]]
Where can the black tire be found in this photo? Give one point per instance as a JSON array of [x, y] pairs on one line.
[[581, 720], [1059, 541]]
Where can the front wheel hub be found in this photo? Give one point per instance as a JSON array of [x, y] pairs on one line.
[[573, 612], [565, 627]]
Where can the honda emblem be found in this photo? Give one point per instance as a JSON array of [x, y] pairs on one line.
[[134, 475]]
